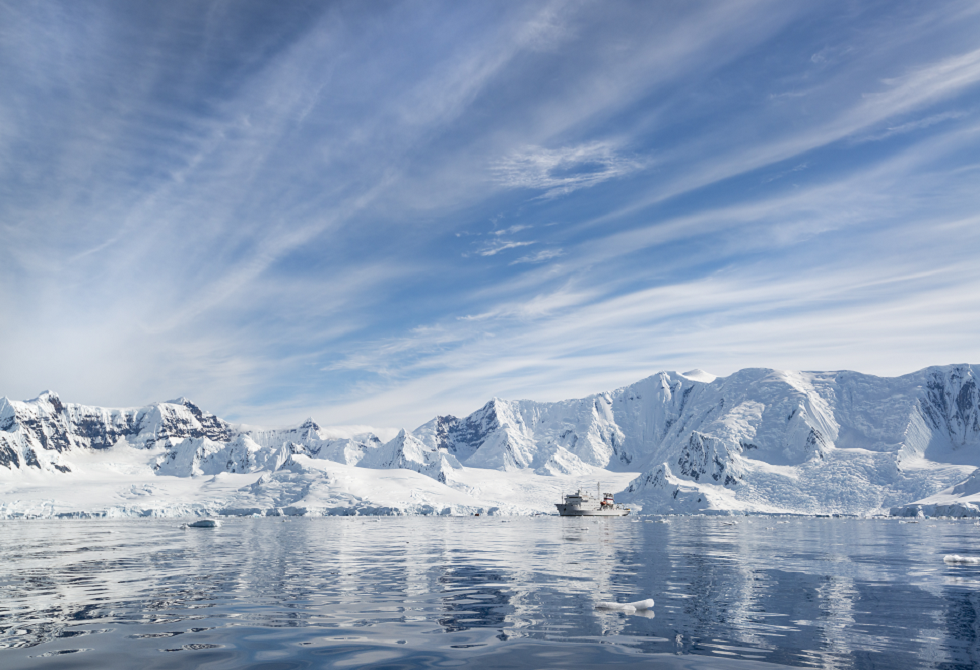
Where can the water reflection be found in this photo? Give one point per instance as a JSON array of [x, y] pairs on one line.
[[474, 596], [811, 592]]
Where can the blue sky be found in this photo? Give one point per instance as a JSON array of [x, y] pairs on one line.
[[370, 213]]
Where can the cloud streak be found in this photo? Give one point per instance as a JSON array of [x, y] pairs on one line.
[[561, 171]]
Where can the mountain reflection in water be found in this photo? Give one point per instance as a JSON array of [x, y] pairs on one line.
[[421, 592]]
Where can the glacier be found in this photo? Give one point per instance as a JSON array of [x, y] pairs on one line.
[[759, 441]]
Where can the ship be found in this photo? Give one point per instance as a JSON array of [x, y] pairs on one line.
[[581, 503]]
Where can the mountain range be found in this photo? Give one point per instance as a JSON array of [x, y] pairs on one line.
[[756, 441]]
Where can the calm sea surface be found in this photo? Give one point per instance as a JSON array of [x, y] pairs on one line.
[[488, 592]]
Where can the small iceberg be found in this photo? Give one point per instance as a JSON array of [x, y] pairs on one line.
[[967, 560], [639, 605], [205, 523]]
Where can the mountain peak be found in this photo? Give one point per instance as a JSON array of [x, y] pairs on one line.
[[52, 399], [310, 424], [699, 375]]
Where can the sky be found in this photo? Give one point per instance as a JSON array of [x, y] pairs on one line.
[[374, 213]]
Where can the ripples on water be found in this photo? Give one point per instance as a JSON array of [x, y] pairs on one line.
[[492, 592]]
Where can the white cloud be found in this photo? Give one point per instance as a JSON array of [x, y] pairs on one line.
[[561, 171], [540, 257], [497, 246], [511, 230], [912, 126], [780, 175]]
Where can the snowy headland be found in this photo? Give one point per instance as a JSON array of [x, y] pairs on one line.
[[759, 441]]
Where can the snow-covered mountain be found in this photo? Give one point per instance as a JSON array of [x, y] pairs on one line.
[[407, 452], [43, 433], [758, 440]]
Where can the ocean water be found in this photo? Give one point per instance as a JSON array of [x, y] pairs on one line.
[[416, 592]]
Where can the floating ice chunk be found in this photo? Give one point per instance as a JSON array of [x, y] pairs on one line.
[[626, 607], [969, 560], [204, 523]]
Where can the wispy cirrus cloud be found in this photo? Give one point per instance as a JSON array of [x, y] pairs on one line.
[[511, 230], [783, 173], [496, 246], [912, 126], [564, 170], [540, 257]]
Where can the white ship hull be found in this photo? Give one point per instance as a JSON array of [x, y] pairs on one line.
[[575, 510]]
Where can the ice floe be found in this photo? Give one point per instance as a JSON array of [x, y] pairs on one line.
[[204, 523], [639, 605], [966, 560]]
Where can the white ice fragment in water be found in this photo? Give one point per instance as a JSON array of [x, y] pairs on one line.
[[204, 523], [626, 607], [953, 558]]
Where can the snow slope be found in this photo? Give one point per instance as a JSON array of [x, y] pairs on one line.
[[121, 481], [756, 441]]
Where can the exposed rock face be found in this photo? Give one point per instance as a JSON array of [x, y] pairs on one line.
[[952, 406]]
